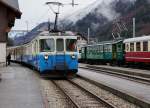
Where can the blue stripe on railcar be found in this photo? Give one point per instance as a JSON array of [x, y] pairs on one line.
[[59, 62]]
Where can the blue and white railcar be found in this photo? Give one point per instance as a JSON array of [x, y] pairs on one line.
[[54, 53]]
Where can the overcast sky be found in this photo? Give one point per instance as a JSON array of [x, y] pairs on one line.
[[35, 11]]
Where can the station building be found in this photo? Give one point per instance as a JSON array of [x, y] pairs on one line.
[[9, 12], [81, 41]]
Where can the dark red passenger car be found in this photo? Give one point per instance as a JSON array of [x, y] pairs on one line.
[[137, 49]]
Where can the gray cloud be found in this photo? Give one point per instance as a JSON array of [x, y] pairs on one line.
[[106, 9]]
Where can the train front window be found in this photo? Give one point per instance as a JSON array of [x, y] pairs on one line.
[[60, 45], [47, 45], [71, 45]]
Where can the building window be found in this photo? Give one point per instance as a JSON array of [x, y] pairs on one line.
[[138, 46], [131, 47], [78, 38], [145, 46]]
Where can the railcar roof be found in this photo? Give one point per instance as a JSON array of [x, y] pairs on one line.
[[106, 42], [137, 39], [47, 33]]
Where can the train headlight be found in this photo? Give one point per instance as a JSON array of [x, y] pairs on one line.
[[46, 57], [73, 56]]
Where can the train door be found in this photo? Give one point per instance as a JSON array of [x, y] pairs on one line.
[[60, 54], [36, 53], [114, 51], [85, 51]]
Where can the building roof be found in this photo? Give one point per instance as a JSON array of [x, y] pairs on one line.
[[79, 34], [13, 5]]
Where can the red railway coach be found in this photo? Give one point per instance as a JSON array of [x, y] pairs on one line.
[[137, 49]]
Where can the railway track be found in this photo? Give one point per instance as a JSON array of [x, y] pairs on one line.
[[54, 97], [81, 93], [128, 76], [86, 94], [106, 96], [80, 96]]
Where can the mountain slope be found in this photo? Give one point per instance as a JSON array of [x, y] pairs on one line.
[[105, 17]]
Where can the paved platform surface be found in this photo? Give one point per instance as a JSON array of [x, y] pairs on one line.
[[138, 90], [19, 88]]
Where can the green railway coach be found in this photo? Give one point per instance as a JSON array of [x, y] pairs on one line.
[[114, 51], [83, 53], [108, 51], [104, 52], [94, 52], [120, 51]]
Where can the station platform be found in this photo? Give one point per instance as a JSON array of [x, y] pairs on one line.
[[137, 90], [19, 88], [131, 71]]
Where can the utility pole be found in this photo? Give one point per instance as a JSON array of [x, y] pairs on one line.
[[27, 23], [88, 35], [134, 21], [133, 27]]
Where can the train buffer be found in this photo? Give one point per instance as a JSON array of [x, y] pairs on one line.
[[19, 88]]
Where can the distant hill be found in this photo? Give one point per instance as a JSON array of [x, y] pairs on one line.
[[29, 36], [112, 16], [103, 18]]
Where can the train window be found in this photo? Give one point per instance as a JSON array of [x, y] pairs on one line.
[[89, 50], [82, 50], [145, 46], [60, 45], [47, 45], [95, 49], [101, 48], [138, 46], [131, 47], [127, 47], [105, 48], [36, 46], [98, 49], [119, 48], [109, 48], [71, 45]]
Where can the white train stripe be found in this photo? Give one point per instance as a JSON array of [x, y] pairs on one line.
[[137, 58]]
